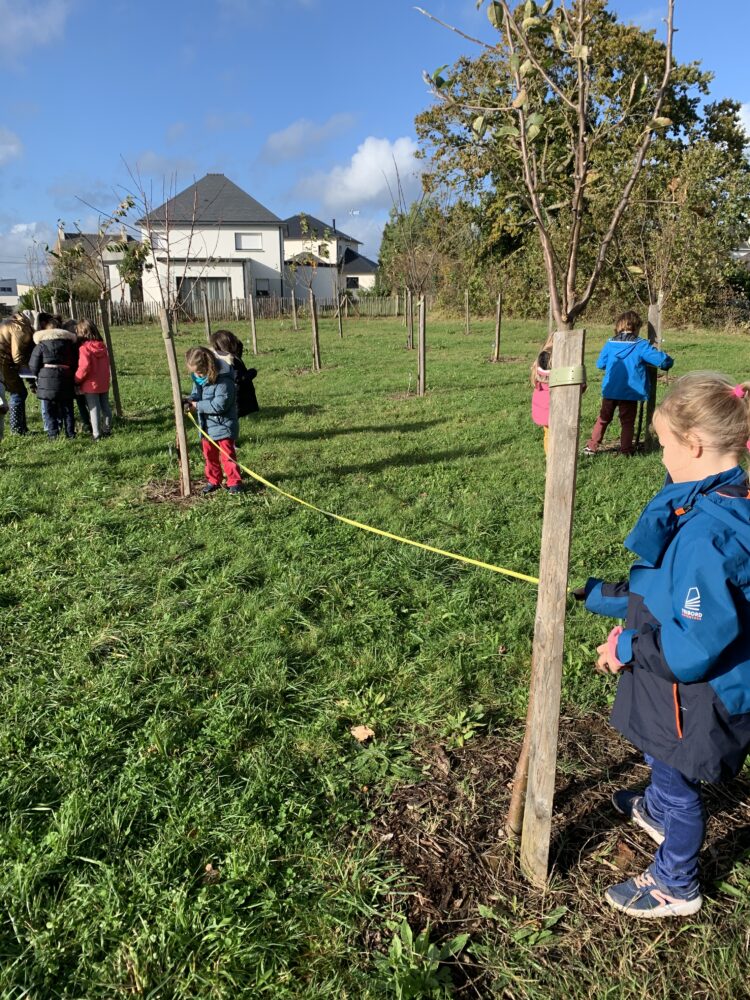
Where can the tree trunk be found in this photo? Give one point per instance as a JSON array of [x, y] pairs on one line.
[[315, 334], [467, 327], [549, 626], [295, 323], [253, 330], [498, 323], [206, 317], [654, 335], [174, 377], [112, 364], [422, 348], [70, 305], [409, 320], [406, 306]]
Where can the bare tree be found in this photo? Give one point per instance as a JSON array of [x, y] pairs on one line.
[[557, 102]]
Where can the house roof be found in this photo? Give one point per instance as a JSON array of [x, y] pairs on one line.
[[356, 263], [294, 228], [213, 200], [305, 259], [92, 241]]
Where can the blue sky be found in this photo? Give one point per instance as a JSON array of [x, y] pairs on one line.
[[303, 103]]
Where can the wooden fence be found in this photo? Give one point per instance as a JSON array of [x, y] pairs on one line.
[[226, 311]]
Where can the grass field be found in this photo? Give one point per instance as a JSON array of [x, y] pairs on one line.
[[184, 811]]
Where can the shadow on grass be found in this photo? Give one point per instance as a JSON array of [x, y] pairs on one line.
[[364, 429]]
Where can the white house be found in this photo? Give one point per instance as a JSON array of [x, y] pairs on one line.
[[213, 237], [10, 292], [320, 254]]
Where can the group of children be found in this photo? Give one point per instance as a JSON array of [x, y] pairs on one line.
[[223, 391], [682, 654], [62, 363]]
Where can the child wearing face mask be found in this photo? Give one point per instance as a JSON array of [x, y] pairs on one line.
[[683, 656], [214, 403]]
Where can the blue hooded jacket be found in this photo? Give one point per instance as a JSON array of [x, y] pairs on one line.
[[217, 405], [625, 363], [686, 697]]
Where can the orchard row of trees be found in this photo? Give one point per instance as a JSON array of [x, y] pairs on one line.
[[475, 228]]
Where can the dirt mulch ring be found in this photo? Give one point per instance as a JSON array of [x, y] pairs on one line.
[[447, 834]]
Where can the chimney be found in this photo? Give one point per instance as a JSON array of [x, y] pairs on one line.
[[334, 225]]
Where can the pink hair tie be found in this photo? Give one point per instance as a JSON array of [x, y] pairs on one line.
[[747, 444], [739, 391]]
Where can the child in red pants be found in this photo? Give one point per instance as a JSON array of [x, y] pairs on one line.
[[214, 402]]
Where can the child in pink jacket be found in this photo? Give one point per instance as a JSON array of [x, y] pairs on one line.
[[540, 397], [92, 377]]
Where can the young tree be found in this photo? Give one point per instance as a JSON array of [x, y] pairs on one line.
[[557, 99]]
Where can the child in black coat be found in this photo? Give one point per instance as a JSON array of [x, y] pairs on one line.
[[54, 361], [228, 348]]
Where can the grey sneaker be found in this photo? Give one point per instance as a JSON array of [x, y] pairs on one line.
[[646, 896], [632, 805]]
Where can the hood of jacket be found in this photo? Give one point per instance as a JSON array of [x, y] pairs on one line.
[[724, 495], [96, 348], [42, 335]]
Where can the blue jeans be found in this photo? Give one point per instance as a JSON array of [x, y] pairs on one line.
[[675, 802], [58, 415]]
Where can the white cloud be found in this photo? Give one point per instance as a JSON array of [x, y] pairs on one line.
[[301, 136], [215, 122], [175, 131], [35, 23], [153, 164], [11, 146], [370, 180], [15, 242], [745, 119]]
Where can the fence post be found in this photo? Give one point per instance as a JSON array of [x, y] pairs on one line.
[[498, 321], [253, 331], [422, 348]]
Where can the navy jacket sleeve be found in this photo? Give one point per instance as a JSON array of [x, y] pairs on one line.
[[608, 599], [701, 623], [36, 360]]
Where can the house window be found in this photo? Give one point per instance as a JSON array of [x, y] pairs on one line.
[[248, 241], [262, 287], [6, 290], [190, 291], [352, 282]]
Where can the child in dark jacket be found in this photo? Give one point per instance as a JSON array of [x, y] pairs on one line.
[[683, 657], [624, 360], [214, 401], [54, 361], [228, 348], [92, 377]]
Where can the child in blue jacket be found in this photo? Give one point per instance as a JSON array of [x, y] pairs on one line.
[[624, 360], [214, 402], [683, 657]]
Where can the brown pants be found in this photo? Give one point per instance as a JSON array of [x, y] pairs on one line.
[[628, 411]]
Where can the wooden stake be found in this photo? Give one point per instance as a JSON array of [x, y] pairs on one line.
[[409, 319], [338, 317], [253, 331], [112, 365], [315, 334], [294, 311], [467, 329], [206, 317], [498, 323], [174, 378], [544, 689], [655, 310], [422, 348]]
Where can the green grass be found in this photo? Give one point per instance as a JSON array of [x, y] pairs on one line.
[[179, 680]]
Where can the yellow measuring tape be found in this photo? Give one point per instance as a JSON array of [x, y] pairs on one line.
[[368, 527]]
